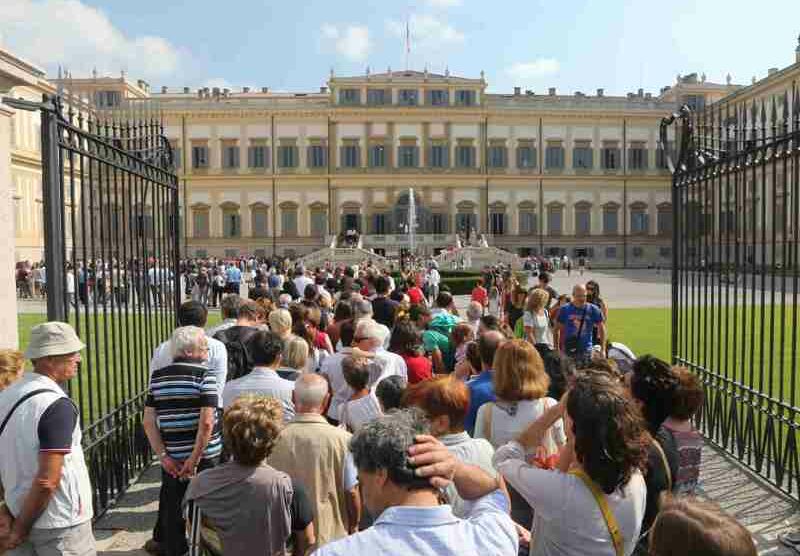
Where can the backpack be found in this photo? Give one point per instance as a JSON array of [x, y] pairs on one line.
[[235, 339]]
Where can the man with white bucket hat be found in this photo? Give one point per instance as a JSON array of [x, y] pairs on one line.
[[48, 495]]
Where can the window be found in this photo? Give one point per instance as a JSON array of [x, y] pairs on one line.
[[319, 221], [465, 156], [664, 222], [231, 223], [497, 223], [555, 220], [638, 252], [583, 219], [289, 221], [438, 97], [611, 252], [200, 157], [407, 97], [665, 252], [695, 102], [259, 217], [466, 219], [727, 222], [611, 158], [497, 156], [637, 158], [317, 156], [526, 157], [439, 156], [377, 156], [407, 156], [438, 223], [554, 157], [349, 97], [200, 223], [379, 223], [107, 99], [465, 98], [376, 97], [257, 156], [177, 157], [639, 220], [230, 156], [349, 156], [287, 156], [201, 253], [582, 156], [611, 220], [231, 253], [528, 224]]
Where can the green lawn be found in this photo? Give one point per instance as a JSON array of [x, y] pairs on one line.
[[645, 331]]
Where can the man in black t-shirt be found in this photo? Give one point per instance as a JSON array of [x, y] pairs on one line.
[[383, 308]]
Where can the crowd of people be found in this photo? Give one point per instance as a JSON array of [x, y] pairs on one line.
[[346, 411]]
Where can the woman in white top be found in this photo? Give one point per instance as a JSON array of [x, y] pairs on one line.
[[363, 406], [536, 320], [599, 470], [520, 385]]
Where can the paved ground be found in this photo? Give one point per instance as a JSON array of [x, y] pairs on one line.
[[765, 512]]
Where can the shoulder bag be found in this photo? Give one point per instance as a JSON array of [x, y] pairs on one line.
[[608, 515]]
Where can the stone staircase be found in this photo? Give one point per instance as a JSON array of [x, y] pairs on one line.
[[343, 255], [475, 257]]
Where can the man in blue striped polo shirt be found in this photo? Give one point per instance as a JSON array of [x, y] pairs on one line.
[[180, 422]]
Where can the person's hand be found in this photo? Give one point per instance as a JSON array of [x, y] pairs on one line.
[[187, 470], [171, 466], [433, 460], [523, 534], [6, 523], [14, 539]]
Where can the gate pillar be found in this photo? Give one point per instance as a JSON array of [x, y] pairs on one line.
[[8, 294]]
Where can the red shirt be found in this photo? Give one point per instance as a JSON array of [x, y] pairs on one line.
[[419, 368], [415, 295], [479, 294]]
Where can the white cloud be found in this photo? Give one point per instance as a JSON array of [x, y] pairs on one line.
[[80, 37], [540, 67], [350, 41], [428, 32], [443, 3]]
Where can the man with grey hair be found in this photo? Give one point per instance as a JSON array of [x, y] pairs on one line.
[[48, 496], [316, 453], [369, 337], [229, 307], [402, 469], [181, 426]]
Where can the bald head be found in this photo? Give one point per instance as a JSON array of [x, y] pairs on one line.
[[310, 394], [579, 295]]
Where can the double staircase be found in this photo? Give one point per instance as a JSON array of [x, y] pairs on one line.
[[475, 257]]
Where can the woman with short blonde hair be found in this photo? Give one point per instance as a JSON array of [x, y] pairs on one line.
[[536, 320], [520, 385], [295, 357]]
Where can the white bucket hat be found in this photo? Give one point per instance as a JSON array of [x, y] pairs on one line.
[[52, 338]]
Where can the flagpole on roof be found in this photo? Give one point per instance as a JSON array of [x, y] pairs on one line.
[[408, 42]]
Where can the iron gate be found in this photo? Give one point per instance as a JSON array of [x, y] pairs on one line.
[[736, 278], [110, 200]]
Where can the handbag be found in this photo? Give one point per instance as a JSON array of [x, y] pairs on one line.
[[608, 515], [572, 345]]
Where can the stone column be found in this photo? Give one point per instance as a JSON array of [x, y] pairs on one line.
[[8, 293]]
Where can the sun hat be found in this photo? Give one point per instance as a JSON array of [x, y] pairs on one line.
[[52, 338]]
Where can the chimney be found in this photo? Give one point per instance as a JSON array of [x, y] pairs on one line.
[[640, 93], [323, 90], [226, 92], [245, 90], [215, 90], [797, 51], [528, 92], [578, 94], [600, 92], [648, 96], [163, 89], [631, 95], [200, 93], [772, 71], [517, 91], [186, 90], [264, 89], [551, 91]]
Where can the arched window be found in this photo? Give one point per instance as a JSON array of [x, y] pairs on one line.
[[288, 219], [665, 219], [611, 219], [497, 218], [259, 220], [640, 220], [583, 218], [231, 220], [200, 221], [319, 220], [528, 219], [555, 219]]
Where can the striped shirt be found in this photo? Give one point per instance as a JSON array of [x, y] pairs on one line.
[[178, 393]]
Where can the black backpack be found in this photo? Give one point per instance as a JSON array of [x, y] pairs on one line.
[[235, 340]]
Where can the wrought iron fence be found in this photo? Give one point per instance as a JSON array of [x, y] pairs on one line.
[[736, 277], [110, 200]]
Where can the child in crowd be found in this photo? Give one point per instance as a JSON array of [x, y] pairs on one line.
[[363, 405], [479, 294], [462, 334], [687, 400]]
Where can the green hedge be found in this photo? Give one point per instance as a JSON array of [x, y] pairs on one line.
[[460, 285]]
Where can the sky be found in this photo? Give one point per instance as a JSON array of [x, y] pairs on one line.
[[574, 45]]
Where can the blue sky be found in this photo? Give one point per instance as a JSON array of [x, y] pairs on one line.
[[291, 45]]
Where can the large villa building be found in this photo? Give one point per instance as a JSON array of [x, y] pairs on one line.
[[263, 172]]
